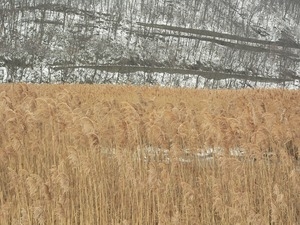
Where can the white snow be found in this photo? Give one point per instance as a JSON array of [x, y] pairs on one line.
[[3, 74]]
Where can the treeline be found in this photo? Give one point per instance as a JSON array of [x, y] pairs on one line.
[[38, 36]]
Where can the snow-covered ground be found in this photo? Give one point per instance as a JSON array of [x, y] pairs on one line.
[[3, 74], [240, 37]]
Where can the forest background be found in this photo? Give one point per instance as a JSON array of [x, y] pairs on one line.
[[208, 43]]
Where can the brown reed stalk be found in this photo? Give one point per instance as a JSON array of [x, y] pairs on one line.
[[77, 154]]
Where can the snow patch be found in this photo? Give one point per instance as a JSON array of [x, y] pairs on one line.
[[3, 74]]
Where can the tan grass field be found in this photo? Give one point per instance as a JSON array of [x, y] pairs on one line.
[[91, 154]]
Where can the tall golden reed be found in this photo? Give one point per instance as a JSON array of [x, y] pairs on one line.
[[101, 154]]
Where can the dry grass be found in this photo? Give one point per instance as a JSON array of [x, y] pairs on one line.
[[76, 154]]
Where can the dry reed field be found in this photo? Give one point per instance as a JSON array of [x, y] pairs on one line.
[[101, 154]]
